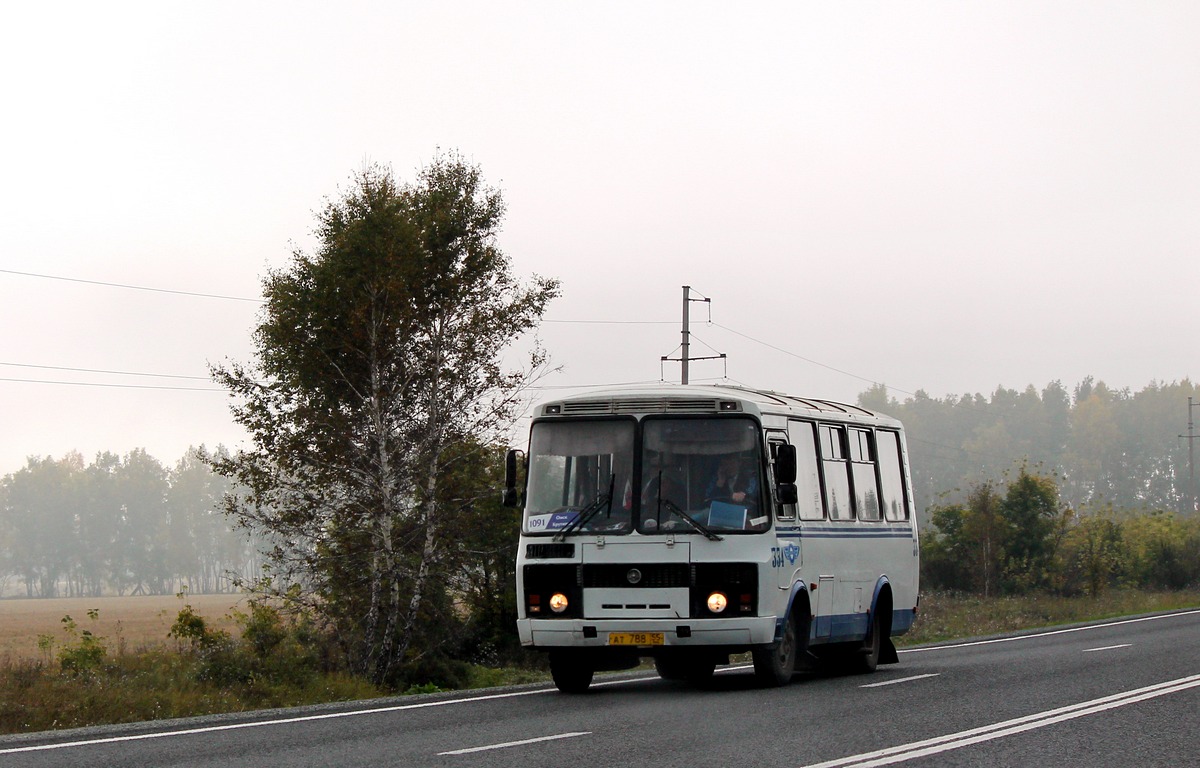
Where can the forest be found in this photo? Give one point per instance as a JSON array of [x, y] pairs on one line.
[[118, 526], [1117, 461], [1104, 447], [1071, 493]]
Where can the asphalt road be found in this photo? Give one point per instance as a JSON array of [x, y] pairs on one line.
[[1116, 693]]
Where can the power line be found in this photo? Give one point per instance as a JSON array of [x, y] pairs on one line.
[[807, 359], [261, 301], [99, 370], [132, 287], [611, 322], [594, 386], [114, 386], [545, 320], [594, 322]]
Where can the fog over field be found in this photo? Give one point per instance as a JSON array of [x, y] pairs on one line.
[[937, 196]]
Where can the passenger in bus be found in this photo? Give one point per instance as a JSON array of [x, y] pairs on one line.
[[733, 483]]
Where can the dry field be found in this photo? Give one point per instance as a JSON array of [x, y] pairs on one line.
[[134, 622]]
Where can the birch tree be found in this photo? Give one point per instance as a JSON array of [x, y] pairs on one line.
[[377, 361]]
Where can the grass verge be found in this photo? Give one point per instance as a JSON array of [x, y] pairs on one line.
[[85, 685], [948, 616]]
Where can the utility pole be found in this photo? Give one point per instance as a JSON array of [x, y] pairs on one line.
[[1191, 438], [683, 376], [685, 355]]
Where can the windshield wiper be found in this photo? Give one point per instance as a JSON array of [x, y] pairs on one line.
[[695, 523], [602, 501]]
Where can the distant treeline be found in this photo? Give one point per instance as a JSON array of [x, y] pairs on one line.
[[119, 525], [1103, 447], [122, 525], [1019, 537]]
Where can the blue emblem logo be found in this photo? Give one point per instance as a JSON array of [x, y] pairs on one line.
[[791, 551]]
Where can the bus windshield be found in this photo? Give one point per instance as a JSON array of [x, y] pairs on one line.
[[706, 469], [697, 476], [580, 474]]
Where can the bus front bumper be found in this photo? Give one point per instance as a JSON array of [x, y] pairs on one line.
[[590, 633]]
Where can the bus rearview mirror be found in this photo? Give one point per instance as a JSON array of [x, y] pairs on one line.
[[509, 497], [785, 463]]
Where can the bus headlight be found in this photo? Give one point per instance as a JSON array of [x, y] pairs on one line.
[[558, 602], [717, 602]]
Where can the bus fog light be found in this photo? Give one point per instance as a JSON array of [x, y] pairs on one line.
[[717, 602], [558, 602]]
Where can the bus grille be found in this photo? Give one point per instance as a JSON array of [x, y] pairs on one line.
[[648, 405], [652, 576], [549, 551], [726, 575]]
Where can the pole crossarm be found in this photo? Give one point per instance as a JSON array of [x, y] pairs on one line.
[[685, 356]]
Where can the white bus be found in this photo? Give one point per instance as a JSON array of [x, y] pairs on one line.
[[688, 523]]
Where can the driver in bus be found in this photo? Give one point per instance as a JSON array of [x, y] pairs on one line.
[[733, 483]]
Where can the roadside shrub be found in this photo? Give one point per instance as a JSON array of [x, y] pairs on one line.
[[271, 650], [431, 669], [190, 626], [84, 652], [284, 649]]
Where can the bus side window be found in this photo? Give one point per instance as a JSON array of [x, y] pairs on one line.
[[785, 511], [891, 476], [837, 478], [802, 434], [862, 471]]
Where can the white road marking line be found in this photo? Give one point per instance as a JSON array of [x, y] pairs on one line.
[[281, 721], [900, 680], [740, 668], [490, 697], [1006, 728], [514, 743], [1109, 648], [1045, 634]]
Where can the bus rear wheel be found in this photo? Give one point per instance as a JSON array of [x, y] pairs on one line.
[[867, 658], [571, 672], [775, 664]]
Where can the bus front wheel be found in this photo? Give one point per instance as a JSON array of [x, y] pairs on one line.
[[695, 668], [775, 664], [571, 672]]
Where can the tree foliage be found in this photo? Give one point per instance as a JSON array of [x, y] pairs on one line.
[[998, 542], [375, 392], [1025, 539]]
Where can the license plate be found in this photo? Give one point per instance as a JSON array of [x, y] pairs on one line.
[[635, 638]]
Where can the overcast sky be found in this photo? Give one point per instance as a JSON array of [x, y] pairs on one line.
[[941, 196]]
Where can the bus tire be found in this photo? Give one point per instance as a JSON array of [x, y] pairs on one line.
[[775, 664], [695, 668], [571, 672], [671, 667], [700, 671], [867, 658]]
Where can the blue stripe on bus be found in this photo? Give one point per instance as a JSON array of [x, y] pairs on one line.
[[852, 627], [843, 533], [848, 526]]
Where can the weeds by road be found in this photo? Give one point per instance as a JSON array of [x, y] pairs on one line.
[[84, 678], [946, 616]]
